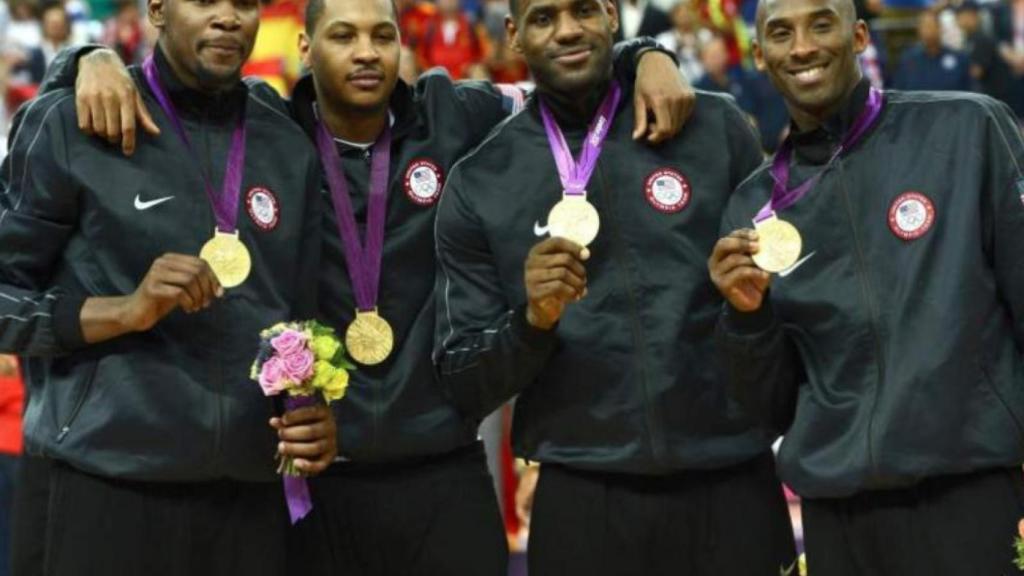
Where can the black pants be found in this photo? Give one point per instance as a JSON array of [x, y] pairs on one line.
[[437, 517], [952, 525], [730, 522], [28, 516], [98, 526]]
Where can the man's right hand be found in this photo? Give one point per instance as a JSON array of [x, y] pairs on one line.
[[554, 276], [107, 101], [734, 272], [173, 280]]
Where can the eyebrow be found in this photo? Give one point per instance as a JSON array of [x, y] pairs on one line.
[[780, 20], [346, 24]]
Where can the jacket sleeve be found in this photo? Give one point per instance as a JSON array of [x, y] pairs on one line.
[[626, 57], [62, 72], [38, 214], [485, 352], [759, 362], [1003, 210]]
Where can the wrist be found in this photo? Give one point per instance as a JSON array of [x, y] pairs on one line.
[[536, 321]]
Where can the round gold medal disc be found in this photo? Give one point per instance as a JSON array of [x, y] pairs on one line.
[[575, 219], [780, 245], [369, 338], [228, 258]]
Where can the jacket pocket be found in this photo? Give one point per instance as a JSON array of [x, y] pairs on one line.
[[76, 406]]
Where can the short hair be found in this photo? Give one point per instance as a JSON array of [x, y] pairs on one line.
[[845, 7], [315, 9]]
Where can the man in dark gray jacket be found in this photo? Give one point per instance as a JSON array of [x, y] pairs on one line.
[[138, 356]]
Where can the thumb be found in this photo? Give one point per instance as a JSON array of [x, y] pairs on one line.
[[143, 114]]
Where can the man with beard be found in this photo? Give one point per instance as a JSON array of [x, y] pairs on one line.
[[136, 290], [889, 346], [605, 333], [412, 494]]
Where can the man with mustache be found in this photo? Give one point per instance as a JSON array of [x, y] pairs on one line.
[[889, 348], [411, 494], [160, 450], [646, 468]]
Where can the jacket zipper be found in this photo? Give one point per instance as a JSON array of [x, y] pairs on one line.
[[875, 322], [619, 253]]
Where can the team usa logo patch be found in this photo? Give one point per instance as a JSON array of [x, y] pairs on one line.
[[263, 208], [667, 190], [911, 215], [423, 182]]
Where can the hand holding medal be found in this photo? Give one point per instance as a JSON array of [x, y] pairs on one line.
[[554, 276]]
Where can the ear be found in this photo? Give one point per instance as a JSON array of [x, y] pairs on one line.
[[512, 32], [613, 16], [155, 12], [755, 47], [304, 48], [861, 37]]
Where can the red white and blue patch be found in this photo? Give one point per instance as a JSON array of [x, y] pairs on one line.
[[667, 190], [423, 181], [911, 215], [263, 208]]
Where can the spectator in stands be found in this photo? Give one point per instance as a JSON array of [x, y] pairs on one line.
[[414, 16], [640, 18], [929, 65], [988, 70], [1008, 20], [719, 76], [56, 35], [684, 39], [123, 33], [452, 40]]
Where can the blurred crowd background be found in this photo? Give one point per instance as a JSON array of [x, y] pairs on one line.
[[916, 44]]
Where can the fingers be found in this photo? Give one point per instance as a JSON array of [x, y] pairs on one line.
[[556, 245], [743, 241], [664, 123], [83, 110], [127, 127], [142, 115], [308, 436], [639, 117], [112, 116], [196, 281], [685, 105], [562, 260]]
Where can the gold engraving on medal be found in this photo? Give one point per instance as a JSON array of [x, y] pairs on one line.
[[228, 258], [780, 244], [575, 219], [369, 338]]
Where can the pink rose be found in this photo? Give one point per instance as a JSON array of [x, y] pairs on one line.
[[299, 366], [272, 376], [288, 342]]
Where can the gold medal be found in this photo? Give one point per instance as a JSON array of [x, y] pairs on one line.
[[575, 219], [780, 244], [228, 258], [369, 338]]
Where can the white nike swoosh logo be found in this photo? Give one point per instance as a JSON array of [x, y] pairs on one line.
[[795, 265], [540, 230], [140, 205]]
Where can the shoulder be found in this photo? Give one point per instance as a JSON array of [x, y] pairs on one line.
[[56, 107]]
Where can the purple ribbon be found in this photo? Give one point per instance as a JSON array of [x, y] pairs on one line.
[[363, 262], [783, 197], [296, 490], [575, 174], [225, 204]]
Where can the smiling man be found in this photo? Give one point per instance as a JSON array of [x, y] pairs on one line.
[[138, 340], [646, 467], [889, 347]]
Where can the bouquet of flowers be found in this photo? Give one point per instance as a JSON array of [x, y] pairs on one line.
[[1018, 545], [306, 362]]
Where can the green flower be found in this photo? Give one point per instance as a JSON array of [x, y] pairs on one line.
[[325, 347]]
